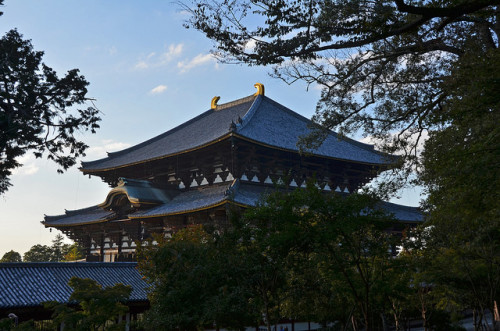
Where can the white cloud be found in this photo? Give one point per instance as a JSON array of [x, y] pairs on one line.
[[141, 65], [158, 90], [173, 52], [100, 151], [29, 166], [250, 46], [153, 60], [112, 50], [198, 60]]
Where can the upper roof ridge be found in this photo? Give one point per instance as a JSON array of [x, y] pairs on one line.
[[234, 103], [251, 111], [256, 117]]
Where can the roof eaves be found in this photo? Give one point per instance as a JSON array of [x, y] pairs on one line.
[[365, 146], [91, 171], [187, 211], [52, 221], [147, 142], [384, 165]]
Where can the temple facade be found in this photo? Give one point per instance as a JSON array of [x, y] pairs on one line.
[[227, 157]]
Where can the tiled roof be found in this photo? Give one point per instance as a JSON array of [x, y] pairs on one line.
[[257, 118], [201, 130], [205, 197], [93, 214], [30, 284], [403, 213], [270, 123], [192, 200]]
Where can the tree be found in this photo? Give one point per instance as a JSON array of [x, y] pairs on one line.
[[11, 256], [74, 253], [59, 249], [38, 253], [43, 253], [301, 254], [192, 284], [96, 306], [461, 176], [397, 71], [383, 66], [341, 239], [38, 110]]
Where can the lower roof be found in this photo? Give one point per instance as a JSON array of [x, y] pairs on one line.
[[203, 198], [30, 284]]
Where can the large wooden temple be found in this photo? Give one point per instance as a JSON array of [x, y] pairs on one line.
[[227, 156]]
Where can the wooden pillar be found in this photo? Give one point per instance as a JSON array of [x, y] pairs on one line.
[[101, 258], [120, 241]]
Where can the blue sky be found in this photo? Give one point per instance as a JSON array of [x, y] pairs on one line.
[[148, 74]]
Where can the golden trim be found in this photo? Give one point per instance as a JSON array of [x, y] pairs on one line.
[[213, 104], [260, 89], [239, 204]]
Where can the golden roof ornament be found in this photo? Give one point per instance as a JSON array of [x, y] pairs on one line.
[[260, 89], [213, 104]]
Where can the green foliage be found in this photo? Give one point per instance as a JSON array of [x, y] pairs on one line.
[[461, 176], [398, 71], [195, 283], [55, 253], [302, 255], [38, 112], [74, 253], [96, 307], [7, 324], [38, 253], [11, 256], [383, 66], [340, 240]]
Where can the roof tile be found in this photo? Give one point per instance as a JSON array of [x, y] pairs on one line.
[[30, 284]]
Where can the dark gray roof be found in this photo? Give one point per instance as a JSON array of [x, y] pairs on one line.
[[257, 118], [30, 284], [270, 123], [203, 129], [92, 214], [194, 199], [205, 197], [403, 213]]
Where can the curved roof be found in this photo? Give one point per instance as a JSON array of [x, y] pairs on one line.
[[255, 118], [271, 123], [204, 129], [94, 214], [206, 197]]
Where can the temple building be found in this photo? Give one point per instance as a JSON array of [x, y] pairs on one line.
[[226, 157]]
